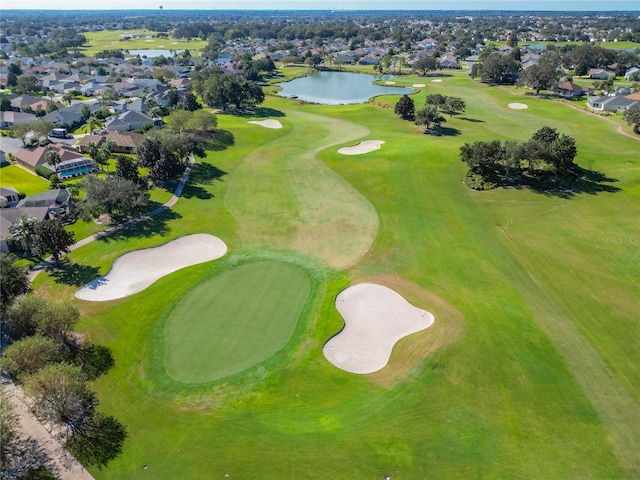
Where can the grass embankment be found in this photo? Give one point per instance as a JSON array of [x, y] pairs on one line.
[[530, 370]]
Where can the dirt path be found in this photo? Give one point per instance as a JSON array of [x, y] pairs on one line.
[[62, 464]]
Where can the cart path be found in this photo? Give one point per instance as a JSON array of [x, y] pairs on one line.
[[35, 270], [62, 464]]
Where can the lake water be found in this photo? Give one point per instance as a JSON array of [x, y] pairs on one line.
[[336, 88]]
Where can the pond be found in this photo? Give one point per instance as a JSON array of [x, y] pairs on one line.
[[336, 88]]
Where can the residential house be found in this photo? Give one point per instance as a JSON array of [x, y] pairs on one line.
[[570, 90], [124, 142], [31, 159], [610, 104], [128, 121], [448, 61], [9, 197], [632, 73], [23, 101], [11, 118], [601, 73]]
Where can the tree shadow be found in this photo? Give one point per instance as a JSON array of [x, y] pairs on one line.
[[220, 140], [195, 191], [259, 112], [94, 360], [473, 120], [144, 227], [446, 132], [26, 456], [583, 181], [98, 441], [205, 173], [72, 274]]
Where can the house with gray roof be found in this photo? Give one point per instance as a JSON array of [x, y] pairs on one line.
[[610, 104], [127, 121]]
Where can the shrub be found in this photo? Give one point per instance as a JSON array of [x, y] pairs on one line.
[[53, 178], [44, 172]]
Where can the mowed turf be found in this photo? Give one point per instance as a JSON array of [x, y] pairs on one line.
[[538, 291], [22, 181], [234, 320]]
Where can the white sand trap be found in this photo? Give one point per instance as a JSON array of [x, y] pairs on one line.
[[517, 106], [275, 124], [418, 85], [363, 147], [375, 318], [134, 271], [437, 80], [389, 83]]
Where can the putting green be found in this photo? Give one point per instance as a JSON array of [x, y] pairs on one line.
[[234, 320]]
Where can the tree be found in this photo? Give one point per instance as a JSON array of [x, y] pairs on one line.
[[85, 111], [405, 108], [454, 105], [98, 440], [22, 231], [435, 99], [162, 163], [632, 117], [50, 237], [8, 427], [5, 103], [13, 281], [426, 64], [126, 168], [25, 357], [498, 69], [563, 153], [20, 130], [177, 121], [30, 315], [539, 77], [101, 153], [59, 394], [42, 128], [92, 122], [512, 40], [429, 116], [53, 158], [116, 196], [27, 84], [107, 97], [190, 102]]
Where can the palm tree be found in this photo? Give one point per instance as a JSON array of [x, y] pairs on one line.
[[92, 122], [22, 230], [53, 158], [67, 97], [101, 153]]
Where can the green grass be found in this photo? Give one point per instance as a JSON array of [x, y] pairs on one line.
[[530, 371], [111, 40], [234, 320], [23, 181]]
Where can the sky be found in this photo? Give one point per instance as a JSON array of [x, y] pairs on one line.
[[540, 5]]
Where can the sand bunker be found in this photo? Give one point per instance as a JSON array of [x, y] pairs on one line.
[[134, 271], [437, 80], [418, 85], [389, 83], [375, 318], [275, 124], [363, 147], [517, 106]]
